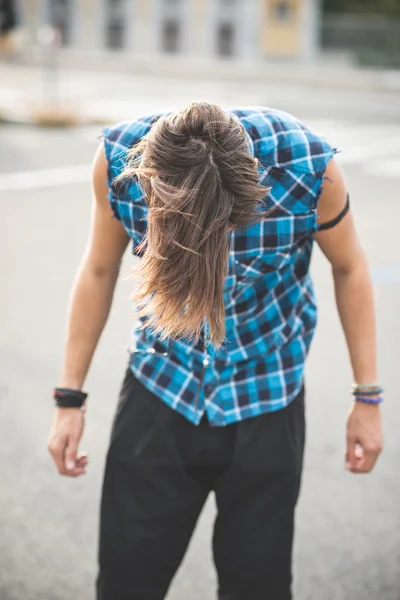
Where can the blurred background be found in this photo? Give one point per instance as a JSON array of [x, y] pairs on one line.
[[67, 67]]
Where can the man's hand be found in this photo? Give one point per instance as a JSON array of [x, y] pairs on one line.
[[63, 441], [364, 437]]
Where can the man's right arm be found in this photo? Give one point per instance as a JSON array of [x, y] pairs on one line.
[[90, 303]]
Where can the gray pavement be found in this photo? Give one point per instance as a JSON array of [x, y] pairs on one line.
[[348, 527]]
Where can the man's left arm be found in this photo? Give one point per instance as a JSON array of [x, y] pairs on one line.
[[355, 302]]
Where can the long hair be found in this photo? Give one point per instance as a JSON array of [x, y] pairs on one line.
[[199, 180]]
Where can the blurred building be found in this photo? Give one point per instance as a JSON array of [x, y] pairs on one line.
[[238, 28]]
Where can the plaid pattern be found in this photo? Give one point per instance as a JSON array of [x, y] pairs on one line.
[[268, 293]]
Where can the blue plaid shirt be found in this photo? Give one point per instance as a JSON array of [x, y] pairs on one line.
[[268, 294]]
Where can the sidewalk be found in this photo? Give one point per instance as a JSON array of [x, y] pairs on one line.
[[328, 71], [105, 84]]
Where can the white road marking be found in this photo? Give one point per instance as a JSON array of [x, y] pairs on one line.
[[43, 178]]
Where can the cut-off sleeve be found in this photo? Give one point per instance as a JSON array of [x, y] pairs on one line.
[[126, 198], [293, 159], [109, 151]]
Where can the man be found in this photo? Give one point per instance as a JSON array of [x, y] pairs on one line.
[[223, 207]]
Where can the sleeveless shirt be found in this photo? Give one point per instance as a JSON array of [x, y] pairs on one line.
[[269, 297]]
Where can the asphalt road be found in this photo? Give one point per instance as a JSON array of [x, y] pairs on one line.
[[348, 527]]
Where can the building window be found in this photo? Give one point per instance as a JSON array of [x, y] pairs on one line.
[[171, 36], [115, 34], [283, 12], [8, 16], [60, 18], [226, 39], [115, 24]]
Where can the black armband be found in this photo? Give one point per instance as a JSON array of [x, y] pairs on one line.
[[336, 220]]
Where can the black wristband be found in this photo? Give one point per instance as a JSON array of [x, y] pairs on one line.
[[66, 398]]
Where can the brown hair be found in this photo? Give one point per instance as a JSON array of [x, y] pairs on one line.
[[199, 179]]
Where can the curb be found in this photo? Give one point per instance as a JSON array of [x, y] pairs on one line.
[[325, 75], [46, 119]]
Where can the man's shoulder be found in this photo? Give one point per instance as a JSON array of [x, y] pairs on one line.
[[262, 117], [124, 134], [284, 141]]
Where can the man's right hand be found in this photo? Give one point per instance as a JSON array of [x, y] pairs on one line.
[[64, 437]]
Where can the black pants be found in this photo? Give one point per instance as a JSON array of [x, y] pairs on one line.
[[159, 471]]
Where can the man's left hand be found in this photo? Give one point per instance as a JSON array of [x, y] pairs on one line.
[[364, 437]]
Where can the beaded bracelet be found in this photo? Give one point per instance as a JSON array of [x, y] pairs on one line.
[[366, 389], [368, 400], [366, 386], [372, 393]]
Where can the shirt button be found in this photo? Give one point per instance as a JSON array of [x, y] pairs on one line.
[[206, 362]]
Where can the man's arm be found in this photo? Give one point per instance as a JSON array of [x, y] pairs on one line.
[[93, 289], [355, 303], [90, 303]]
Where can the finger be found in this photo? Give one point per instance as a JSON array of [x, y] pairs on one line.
[[362, 470], [360, 457], [56, 448], [356, 459], [79, 469], [70, 453], [80, 466], [82, 461], [370, 453], [76, 472], [357, 468], [370, 459], [352, 458], [365, 465]]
